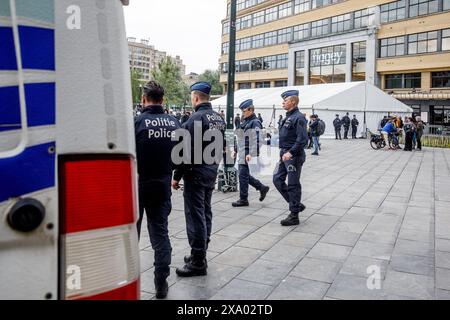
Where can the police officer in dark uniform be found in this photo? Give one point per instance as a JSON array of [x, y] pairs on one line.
[[337, 123], [199, 179], [346, 122], [154, 131], [248, 148], [355, 124], [293, 140]]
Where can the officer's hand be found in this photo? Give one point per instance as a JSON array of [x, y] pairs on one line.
[[248, 158], [233, 155], [175, 185], [287, 156]]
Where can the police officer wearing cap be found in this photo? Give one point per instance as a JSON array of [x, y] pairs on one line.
[[293, 140], [248, 148], [199, 180], [154, 130]]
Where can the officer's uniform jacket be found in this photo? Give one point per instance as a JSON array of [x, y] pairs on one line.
[[249, 142], [293, 134]]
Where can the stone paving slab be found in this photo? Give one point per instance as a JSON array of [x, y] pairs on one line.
[[372, 217]]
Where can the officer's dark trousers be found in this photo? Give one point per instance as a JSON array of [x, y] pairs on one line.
[[246, 179], [346, 130], [338, 134], [354, 132], [292, 191], [197, 208], [157, 224]]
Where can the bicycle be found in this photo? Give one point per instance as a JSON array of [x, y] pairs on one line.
[[378, 142]]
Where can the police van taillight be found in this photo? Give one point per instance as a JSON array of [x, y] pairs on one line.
[[99, 246]]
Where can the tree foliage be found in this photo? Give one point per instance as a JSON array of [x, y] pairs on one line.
[[168, 75], [135, 86]]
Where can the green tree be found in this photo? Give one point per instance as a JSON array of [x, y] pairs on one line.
[[136, 86], [168, 75], [213, 77]]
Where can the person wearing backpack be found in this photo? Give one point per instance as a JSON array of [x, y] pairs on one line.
[[355, 124], [408, 128]]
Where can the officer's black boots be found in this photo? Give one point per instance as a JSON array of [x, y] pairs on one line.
[[161, 288], [263, 193], [195, 266], [291, 220], [187, 259], [302, 207], [240, 203]]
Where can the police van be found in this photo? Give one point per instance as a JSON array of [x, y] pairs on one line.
[[67, 152]]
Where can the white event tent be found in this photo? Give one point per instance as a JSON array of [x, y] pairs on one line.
[[367, 102]]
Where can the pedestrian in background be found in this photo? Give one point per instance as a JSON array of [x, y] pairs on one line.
[[355, 124], [237, 121], [260, 118], [315, 134], [408, 129], [420, 128], [337, 123], [346, 123]]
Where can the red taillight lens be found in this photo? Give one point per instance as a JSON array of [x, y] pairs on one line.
[[128, 292], [96, 193]]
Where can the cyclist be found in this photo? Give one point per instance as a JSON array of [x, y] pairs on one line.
[[389, 130]]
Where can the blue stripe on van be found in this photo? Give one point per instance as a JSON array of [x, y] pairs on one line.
[[31, 171], [41, 105], [7, 51], [37, 47]]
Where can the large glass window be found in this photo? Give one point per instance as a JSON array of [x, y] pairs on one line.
[[284, 35], [281, 83], [245, 85], [301, 6], [300, 68], [341, 23], [422, 7], [225, 48], [271, 14], [446, 39], [393, 11], [361, 18], [224, 68], [446, 5], [258, 18], [391, 47], [403, 81], [422, 42], [270, 63], [258, 41], [319, 28], [359, 61], [245, 44], [301, 32], [285, 10], [270, 38], [243, 66], [226, 27], [327, 65], [440, 79], [262, 84], [282, 61], [441, 115], [257, 64]]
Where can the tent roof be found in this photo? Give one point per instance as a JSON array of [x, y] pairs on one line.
[[350, 96]]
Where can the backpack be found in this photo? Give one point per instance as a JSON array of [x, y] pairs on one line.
[[321, 128]]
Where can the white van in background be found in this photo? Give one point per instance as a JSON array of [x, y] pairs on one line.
[[68, 198]]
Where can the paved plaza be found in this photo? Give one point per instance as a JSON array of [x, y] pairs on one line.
[[382, 212]]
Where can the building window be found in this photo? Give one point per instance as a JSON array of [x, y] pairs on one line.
[[244, 44], [224, 68], [446, 5], [258, 41], [393, 11], [441, 115], [359, 61], [301, 6], [327, 65], [258, 18], [225, 48], [403, 81], [446, 39], [361, 18], [440, 79], [270, 38], [300, 68], [257, 64], [285, 10], [422, 42], [281, 83], [282, 61], [391, 47], [263, 84], [226, 27], [341, 23], [272, 14], [301, 32], [270, 63], [284, 35], [422, 7], [245, 85], [319, 28], [243, 66]]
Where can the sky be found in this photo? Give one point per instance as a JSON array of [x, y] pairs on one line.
[[191, 29]]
